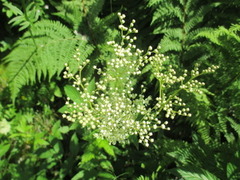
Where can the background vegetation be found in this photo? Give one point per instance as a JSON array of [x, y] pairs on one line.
[[38, 37]]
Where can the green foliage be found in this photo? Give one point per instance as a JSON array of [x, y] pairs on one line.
[[38, 37], [202, 161], [25, 17], [225, 41], [41, 53], [35, 143], [223, 36], [179, 22], [94, 163], [74, 12]]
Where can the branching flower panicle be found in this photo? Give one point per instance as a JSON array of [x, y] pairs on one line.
[[113, 109]]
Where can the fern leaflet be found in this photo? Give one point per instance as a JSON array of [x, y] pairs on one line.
[[42, 53]]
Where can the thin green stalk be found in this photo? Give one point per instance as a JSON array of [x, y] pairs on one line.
[[31, 24]]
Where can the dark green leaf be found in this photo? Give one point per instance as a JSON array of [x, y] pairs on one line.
[[73, 93], [106, 146], [195, 173], [106, 175], [78, 176], [74, 145], [3, 149]]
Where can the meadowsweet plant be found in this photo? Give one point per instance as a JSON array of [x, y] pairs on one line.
[[118, 106]]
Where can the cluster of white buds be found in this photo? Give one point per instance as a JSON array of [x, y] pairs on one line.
[[195, 72], [168, 78], [193, 86], [129, 29], [112, 110], [210, 69], [172, 106]]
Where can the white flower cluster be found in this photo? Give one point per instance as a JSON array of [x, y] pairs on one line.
[[5, 126], [193, 85], [115, 115], [115, 110], [169, 106], [164, 73]]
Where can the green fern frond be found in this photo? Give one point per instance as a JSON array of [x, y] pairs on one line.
[[70, 11], [161, 11], [182, 155], [194, 19], [179, 21], [235, 28], [41, 53], [199, 160], [154, 3], [221, 35], [170, 45], [173, 33], [94, 8], [204, 132], [209, 35], [194, 173], [187, 14], [74, 12]]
